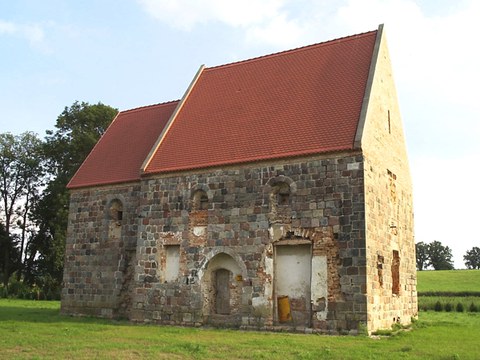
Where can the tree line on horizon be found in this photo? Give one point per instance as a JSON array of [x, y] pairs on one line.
[[439, 257], [34, 200]]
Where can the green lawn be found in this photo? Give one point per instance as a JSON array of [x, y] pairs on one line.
[[35, 330], [448, 280]]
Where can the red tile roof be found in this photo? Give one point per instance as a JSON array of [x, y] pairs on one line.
[[119, 154], [297, 102]]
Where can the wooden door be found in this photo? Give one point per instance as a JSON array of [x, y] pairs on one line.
[[222, 291]]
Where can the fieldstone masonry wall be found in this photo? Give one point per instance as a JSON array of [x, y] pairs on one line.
[[391, 270], [120, 239], [324, 206], [100, 251]]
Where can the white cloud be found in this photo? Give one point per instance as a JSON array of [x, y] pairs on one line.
[[278, 31], [263, 21], [7, 27], [435, 57], [436, 53], [186, 14], [34, 34]]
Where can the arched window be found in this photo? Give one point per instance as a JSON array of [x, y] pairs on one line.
[[115, 219], [200, 200], [116, 211], [282, 191]]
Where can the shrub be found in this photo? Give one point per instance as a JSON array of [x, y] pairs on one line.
[[18, 289], [473, 307], [459, 307], [438, 306], [448, 307]]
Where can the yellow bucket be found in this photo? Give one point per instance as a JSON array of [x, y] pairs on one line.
[[284, 314]]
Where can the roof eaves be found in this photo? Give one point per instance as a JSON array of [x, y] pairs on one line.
[[165, 130], [103, 183], [146, 107], [295, 154]]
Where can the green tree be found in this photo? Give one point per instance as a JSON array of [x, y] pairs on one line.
[[440, 257], [8, 245], [422, 257], [472, 258], [21, 176], [78, 128]]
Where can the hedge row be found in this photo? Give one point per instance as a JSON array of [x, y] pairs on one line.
[[449, 293]]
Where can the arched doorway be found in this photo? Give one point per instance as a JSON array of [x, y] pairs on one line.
[[222, 283]]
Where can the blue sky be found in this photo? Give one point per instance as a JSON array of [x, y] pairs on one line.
[[134, 53]]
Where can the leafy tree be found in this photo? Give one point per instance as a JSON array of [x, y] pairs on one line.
[[472, 258], [422, 257], [78, 128], [21, 175], [8, 245], [440, 257]]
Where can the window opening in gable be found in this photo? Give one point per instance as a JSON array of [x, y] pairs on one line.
[[380, 261], [389, 123], [396, 273], [392, 184]]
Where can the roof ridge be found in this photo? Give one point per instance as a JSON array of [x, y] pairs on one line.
[[149, 106], [301, 48]]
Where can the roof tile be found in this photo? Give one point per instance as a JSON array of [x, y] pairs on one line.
[[119, 154], [297, 102]]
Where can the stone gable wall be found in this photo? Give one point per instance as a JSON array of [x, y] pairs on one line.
[[100, 251], [391, 274]]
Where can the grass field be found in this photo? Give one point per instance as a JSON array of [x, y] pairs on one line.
[[448, 281], [448, 289], [35, 330]]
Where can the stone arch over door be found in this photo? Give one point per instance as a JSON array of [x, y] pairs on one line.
[[221, 281]]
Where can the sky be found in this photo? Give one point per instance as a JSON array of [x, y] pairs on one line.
[[132, 53]]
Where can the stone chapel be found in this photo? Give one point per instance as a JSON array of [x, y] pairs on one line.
[[276, 194]]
